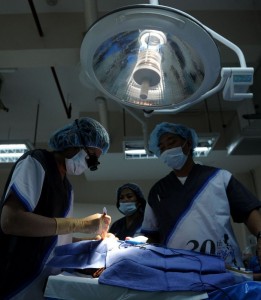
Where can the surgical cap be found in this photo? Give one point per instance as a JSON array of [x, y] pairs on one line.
[[136, 189], [162, 128], [84, 132]]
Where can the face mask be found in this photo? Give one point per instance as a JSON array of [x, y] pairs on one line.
[[77, 164], [174, 158], [128, 208]]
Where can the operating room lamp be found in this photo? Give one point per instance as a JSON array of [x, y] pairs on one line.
[[158, 58]]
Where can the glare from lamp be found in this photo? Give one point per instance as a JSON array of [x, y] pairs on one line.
[[148, 73]]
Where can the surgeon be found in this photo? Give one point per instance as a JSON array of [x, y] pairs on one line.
[[131, 203], [36, 207], [190, 207]]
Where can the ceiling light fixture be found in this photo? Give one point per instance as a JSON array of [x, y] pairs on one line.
[[134, 149], [155, 57], [11, 151], [206, 143]]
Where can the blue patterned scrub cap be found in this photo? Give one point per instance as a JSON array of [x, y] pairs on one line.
[[136, 189], [165, 127], [84, 132]]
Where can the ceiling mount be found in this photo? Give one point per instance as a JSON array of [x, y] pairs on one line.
[[155, 57]]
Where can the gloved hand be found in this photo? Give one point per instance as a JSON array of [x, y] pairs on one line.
[[95, 224], [107, 236]]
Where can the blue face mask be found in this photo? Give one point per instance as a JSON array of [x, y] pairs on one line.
[[128, 208], [174, 158]]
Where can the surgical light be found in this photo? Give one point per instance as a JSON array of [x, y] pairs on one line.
[[155, 57]]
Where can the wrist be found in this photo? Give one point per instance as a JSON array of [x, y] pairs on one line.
[[66, 225]]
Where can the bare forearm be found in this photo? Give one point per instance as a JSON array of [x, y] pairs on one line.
[[27, 224], [253, 222], [15, 220]]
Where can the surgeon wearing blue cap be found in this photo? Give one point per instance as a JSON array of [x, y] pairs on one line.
[[36, 207], [190, 208], [131, 203]]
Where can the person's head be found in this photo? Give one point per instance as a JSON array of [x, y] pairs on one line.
[[82, 141], [130, 199], [174, 143]]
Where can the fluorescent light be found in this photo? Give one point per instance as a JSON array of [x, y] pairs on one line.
[[134, 149], [138, 154], [10, 152], [8, 147], [206, 143], [201, 151]]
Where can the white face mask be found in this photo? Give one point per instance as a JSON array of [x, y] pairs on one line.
[[128, 208], [77, 164], [174, 158]]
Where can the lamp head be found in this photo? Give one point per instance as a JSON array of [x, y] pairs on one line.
[[150, 57]]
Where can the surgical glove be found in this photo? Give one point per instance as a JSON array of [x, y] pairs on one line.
[[97, 224], [108, 235]]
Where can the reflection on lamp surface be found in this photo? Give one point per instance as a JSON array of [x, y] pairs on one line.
[[155, 57], [150, 56], [174, 71], [147, 73]]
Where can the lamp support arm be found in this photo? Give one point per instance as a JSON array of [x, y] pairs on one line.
[[143, 125]]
